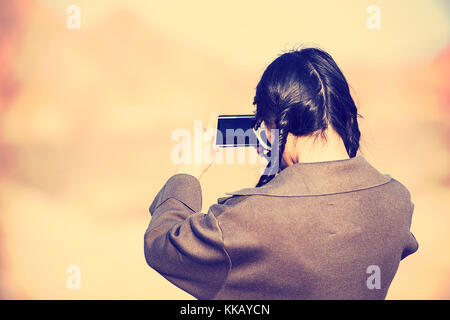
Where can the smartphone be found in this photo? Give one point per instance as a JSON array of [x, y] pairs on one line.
[[236, 131]]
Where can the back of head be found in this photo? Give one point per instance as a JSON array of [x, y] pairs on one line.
[[304, 93]]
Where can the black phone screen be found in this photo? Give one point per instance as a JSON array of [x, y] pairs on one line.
[[236, 131]]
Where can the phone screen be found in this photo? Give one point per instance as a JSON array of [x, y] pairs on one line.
[[236, 131]]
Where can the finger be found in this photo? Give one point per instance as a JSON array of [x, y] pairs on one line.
[[212, 120], [210, 127]]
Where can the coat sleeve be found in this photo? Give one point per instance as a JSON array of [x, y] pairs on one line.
[[411, 244], [184, 245]]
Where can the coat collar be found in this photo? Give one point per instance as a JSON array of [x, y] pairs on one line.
[[320, 178]]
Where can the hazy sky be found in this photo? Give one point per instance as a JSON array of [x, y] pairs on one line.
[[252, 32]]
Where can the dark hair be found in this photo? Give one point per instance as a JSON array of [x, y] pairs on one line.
[[303, 92]]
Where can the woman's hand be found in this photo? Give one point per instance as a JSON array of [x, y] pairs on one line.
[[208, 151]]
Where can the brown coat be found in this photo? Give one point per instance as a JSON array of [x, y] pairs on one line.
[[313, 232]]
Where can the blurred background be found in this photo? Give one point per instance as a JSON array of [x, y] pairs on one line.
[[86, 117]]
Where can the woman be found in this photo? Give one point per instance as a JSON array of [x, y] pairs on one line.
[[324, 224]]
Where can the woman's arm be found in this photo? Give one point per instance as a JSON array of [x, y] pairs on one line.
[[183, 244], [411, 246]]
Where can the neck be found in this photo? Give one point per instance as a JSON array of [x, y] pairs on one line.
[[314, 148]]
